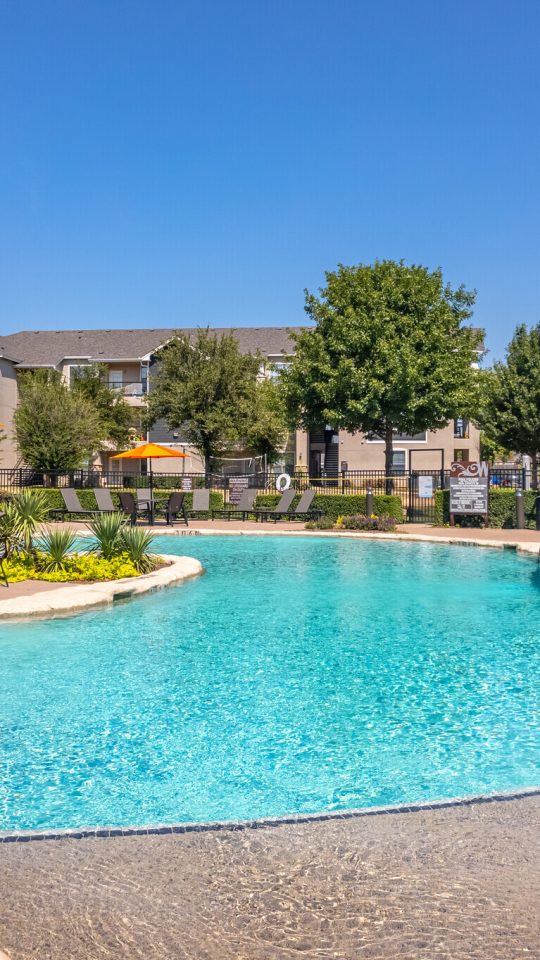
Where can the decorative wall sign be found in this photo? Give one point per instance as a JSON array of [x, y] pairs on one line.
[[469, 488]]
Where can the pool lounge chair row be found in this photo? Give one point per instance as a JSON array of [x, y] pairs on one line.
[[282, 511], [142, 504]]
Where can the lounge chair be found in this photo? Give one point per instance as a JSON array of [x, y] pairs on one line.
[[201, 502], [3, 555], [104, 500], [72, 505], [240, 510], [303, 510], [133, 508], [281, 509], [174, 506]]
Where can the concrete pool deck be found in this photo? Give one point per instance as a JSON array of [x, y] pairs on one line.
[[459, 883]]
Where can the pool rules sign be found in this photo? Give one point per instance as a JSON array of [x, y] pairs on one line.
[[469, 487]]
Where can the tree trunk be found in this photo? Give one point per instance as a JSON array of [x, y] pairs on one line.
[[389, 455]]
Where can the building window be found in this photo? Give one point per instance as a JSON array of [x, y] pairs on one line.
[[400, 437], [75, 369], [116, 379], [399, 462], [461, 454], [461, 428]]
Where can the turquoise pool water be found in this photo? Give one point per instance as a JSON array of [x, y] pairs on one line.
[[296, 675]]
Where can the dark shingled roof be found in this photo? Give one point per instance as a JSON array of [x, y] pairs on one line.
[[41, 347], [50, 347]]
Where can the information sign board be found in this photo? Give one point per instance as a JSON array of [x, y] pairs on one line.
[[425, 488], [236, 487], [469, 487]]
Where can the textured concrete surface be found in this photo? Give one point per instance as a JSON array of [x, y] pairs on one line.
[[72, 597], [450, 884]]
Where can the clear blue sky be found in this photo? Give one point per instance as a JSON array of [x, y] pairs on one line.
[[184, 163]]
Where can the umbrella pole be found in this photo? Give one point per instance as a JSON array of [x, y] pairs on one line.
[[151, 495]]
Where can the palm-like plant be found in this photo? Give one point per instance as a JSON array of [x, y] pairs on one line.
[[107, 529], [10, 529], [137, 544], [56, 545], [32, 509]]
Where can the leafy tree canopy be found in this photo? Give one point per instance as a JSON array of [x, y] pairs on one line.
[[205, 387], [387, 352], [115, 415], [55, 428], [510, 412], [267, 429]]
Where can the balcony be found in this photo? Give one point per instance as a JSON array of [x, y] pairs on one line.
[[130, 388]]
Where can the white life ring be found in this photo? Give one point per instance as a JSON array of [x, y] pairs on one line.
[[283, 482]]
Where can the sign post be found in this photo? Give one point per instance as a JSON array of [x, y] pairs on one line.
[[469, 489]]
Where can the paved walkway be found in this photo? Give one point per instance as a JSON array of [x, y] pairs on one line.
[[249, 526], [455, 884]]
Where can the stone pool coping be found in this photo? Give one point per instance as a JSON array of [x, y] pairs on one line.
[[76, 597], [160, 829], [529, 548]]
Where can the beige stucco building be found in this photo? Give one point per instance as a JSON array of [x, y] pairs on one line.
[[129, 358]]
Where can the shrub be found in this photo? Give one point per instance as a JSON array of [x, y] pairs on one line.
[[360, 522], [77, 568], [31, 507], [55, 546], [334, 505], [136, 544], [324, 523], [502, 508], [107, 529]]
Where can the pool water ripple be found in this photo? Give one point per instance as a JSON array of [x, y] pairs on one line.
[[298, 675]]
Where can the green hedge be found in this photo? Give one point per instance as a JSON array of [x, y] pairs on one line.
[[502, 508], [87, 499], [336, 505]]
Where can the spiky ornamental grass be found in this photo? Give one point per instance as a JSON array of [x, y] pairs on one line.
[[137, 544], [107, 529], [113, 536], [32, 509], [56, 545]]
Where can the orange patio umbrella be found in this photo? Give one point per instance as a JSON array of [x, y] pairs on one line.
[[149, 451]]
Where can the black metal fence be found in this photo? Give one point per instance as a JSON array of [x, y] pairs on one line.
[[416, 489]]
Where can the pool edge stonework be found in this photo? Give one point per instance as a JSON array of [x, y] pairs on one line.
[[77, 598], [258, 823]]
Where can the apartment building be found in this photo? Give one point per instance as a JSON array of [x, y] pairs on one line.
[[129, 357]]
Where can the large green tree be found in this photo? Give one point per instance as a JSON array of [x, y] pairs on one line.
[[510, 412], [267, 428], [206, 388], [388, 352], [55, 428], [115, 415]]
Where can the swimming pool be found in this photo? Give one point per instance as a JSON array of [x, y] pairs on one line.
[[297, 675]]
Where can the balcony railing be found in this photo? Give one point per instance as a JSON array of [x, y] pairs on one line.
[[130, 388]]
